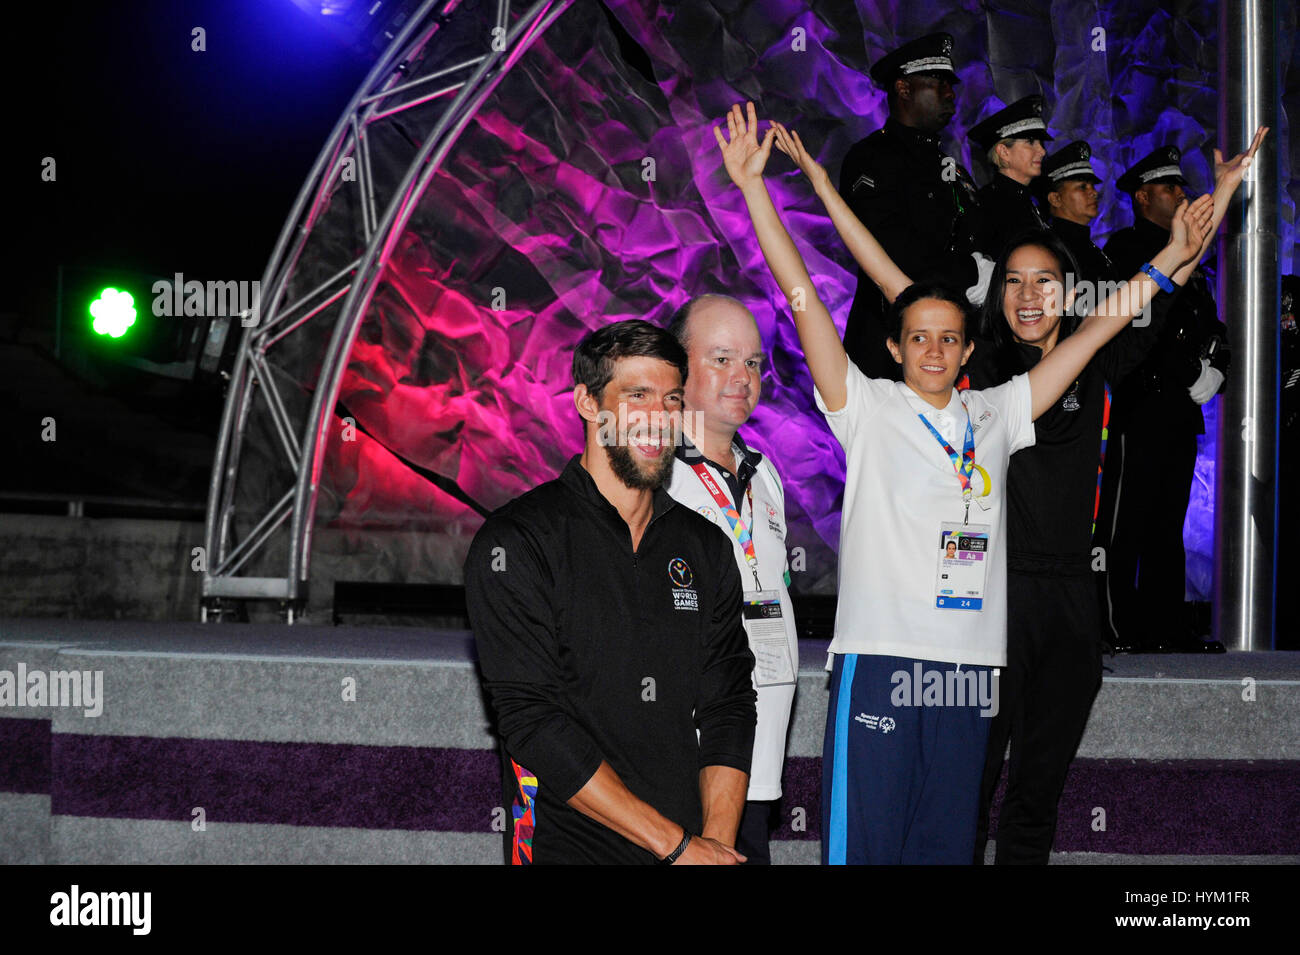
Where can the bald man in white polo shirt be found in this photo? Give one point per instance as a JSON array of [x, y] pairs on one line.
[[740, 491]]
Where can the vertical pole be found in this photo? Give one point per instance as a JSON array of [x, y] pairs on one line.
[[1245, 510]]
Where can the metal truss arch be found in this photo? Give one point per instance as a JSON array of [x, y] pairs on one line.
[[308, 289]]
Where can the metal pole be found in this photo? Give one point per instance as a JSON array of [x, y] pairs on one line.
[[1245, 511]]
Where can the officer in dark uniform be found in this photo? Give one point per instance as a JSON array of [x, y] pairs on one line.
[[1157, 416], [1012, 139], [918, 203], [1067, 193]]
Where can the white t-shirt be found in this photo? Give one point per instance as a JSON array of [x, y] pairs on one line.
[[900, 486], [768, 529]]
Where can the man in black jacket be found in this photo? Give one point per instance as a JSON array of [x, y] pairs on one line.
[[608, 626], [918, 203], [1156, 418]]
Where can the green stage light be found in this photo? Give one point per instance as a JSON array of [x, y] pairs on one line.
[[113, 312]]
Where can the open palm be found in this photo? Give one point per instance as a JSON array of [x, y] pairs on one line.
[[743, 155], [788, 141], [1228, 174], [1191, 227]]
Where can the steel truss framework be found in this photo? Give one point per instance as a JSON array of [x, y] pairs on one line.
[[342, 299]]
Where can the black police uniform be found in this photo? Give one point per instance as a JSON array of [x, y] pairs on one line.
[[1156, 423], [1054, 631], [1094, 265], [1006, 207], [1070, 163], [918, 203]]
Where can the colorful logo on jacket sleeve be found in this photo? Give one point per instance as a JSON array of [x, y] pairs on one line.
[[524, 812], [684, 598]]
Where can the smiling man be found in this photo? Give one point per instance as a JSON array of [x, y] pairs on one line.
[[717, 475], [608, 625]]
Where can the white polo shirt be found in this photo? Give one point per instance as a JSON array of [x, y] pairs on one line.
[[768, 529], [899, 488]]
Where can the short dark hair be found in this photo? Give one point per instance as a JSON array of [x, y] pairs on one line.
[[922, 290], [596, 354]]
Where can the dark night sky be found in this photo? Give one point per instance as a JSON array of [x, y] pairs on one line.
[[167, 159]]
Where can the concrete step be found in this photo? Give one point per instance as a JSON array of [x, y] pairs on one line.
[[250, 725]]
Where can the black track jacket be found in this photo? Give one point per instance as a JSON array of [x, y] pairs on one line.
[[590, 651]]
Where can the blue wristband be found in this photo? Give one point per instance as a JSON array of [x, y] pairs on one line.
[[1158, 277]]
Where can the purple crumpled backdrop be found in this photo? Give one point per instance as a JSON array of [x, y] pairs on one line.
[[584, 193]]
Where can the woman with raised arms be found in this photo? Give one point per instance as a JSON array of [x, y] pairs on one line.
[[918, 633]]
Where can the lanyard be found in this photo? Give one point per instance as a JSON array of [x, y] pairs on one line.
[[738, 528], [964, 463]]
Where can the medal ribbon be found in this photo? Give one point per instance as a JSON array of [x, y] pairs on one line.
[[738, 528]]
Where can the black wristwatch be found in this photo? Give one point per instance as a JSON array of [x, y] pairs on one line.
[[676, 853]]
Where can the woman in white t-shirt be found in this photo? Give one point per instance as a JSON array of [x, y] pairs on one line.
[[892, 607]]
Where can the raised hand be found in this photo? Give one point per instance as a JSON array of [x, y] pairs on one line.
[[788, 141], [1228, 174], [1192, 226], [742, 153], [1227, 177]]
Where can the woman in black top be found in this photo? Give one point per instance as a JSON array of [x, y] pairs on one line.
[[1053, 667]]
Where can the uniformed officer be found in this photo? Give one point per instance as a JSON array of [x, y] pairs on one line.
[[1067, 192], [1157, 416], [1012, 138], [918, 202]]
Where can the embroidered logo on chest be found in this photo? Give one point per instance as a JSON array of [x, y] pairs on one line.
[[679, 573]]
